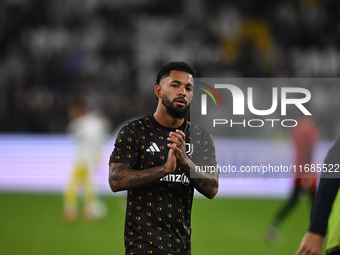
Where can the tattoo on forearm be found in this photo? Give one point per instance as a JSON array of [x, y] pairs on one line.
[[208, 186], [205, 183], [186, 167], [121, 177]]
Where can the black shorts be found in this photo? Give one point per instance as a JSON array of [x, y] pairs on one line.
[[333, 251]]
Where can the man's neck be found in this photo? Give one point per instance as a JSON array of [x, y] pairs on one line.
[[166, 120]]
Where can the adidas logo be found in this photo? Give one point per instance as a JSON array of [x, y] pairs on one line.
[[153, 147]]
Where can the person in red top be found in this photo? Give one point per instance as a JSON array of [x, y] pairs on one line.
[[304, 135]]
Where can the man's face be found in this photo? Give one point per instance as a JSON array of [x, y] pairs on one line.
[[177, 93]]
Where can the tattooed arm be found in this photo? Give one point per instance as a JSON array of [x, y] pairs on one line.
[[206, 183], [123, 177]]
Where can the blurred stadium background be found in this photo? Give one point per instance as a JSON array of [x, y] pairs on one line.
[[109, 52]]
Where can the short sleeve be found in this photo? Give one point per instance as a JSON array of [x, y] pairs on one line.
[[204, 148], [125, 148]]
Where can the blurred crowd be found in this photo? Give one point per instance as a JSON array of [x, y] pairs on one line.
[[109, 52]]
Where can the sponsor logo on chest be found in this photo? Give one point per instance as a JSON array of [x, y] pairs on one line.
[[178, 178], [181, 178], [155, 148]]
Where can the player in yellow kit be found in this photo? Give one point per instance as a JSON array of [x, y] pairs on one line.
[[89, 131]]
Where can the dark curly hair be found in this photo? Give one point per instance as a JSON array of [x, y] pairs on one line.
[[177, 66]]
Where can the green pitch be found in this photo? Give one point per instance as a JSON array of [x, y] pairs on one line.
[[34, 224]]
